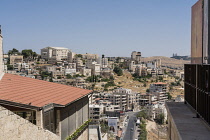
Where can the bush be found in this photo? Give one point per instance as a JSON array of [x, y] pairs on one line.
[[109, 84], [142, 114], [10, 67], [93, 78], [68, 76], [118, 71], [143, 132], [160, 119], [169, 95]]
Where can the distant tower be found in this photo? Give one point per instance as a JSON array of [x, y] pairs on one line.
[[133, 55], [1, 56], [136, 56]]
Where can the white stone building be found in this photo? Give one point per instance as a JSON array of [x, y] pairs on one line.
[[94, 66], [95, 112], [54, 54]]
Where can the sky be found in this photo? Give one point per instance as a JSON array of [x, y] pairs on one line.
[[109, 27]]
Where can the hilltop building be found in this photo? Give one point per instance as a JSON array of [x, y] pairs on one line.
[[54, 54], [136, 56]]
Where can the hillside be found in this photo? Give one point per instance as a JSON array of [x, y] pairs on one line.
[[166, 61]]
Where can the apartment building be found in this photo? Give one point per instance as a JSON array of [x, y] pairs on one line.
[[85, 72], [136, 56], [125, 98], [155, 110], [54, 54], [143, 99], [158, 87], [70, 56], [94, 66], [14, 59], [113, 111], [90, 56], [95, 112]]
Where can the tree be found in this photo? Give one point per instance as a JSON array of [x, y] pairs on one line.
[[160, 78], [118, 71], [109, 84], [104, 127], [147, 90], [13, 51], [143, 132], [111, 77], [78, 55], [68, 76], [45, 74], [51, 80], [142, 114], [28, 53], [10, 67], [160, 119], [93, 78], [169, 95]]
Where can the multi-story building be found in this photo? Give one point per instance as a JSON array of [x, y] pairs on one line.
[[90, 56], [70, 56], [125, 98], [94, 66], [85, 72], [155, 110], [95, 112], [54, 54], [113, 111], [14, 59], [158, 87], [136, 56]]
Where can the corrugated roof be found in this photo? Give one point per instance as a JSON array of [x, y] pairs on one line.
[[38, 93]]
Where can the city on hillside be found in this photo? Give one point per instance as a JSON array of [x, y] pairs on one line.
[[60, 94]]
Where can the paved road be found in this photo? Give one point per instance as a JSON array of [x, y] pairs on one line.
[[131, 126]]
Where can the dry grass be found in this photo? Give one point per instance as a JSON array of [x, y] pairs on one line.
[[166, 61]]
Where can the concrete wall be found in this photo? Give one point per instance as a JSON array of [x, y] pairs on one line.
[[73, 116], [13, 127], [84, 135], [172, 131]]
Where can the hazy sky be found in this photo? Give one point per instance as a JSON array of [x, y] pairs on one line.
[[110, 27]]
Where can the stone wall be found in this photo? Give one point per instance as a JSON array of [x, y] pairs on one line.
[[14, 127]]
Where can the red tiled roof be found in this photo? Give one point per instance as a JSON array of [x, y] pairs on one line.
[[160, 83], [38, 93]]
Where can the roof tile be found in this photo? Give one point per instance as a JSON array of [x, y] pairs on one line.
[[38, 93]]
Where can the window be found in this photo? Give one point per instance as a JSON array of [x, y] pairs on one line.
[[28, 115]]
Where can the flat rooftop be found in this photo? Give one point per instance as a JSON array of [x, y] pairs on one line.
[[189, 127]]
